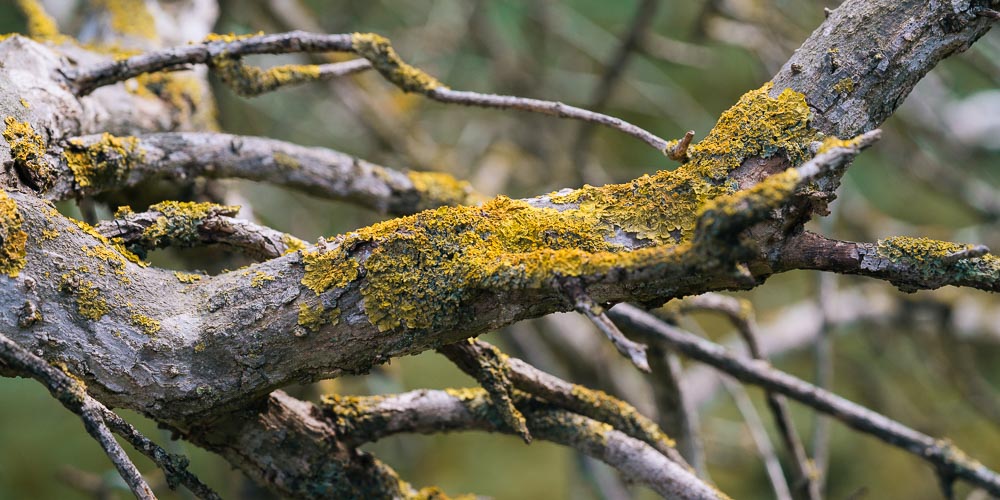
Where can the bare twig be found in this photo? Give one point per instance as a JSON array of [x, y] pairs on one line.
[[676, 413], [100, 422], [679, 151], [943, 455], [368, 418], [73, 396], [740, 313], [760, 438], [633, 351]]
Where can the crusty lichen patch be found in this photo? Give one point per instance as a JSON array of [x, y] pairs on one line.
[[148, 325], [936, 262], [844, 86], [187, 278], [182, 91], [104, 163], [89, 302], [292, 244], [418, 270], [12, 238], [378, 50], [27, 149], [436, 189], [315, 317]]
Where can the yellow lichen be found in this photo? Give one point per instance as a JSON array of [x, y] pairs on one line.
[[41, 26], [180, 222], [378, 50], [25, 103], [89, 302], [12, 238], [182, 91], [200, 347], [844, 86], [229, 37], [112, 251], [438, 189], [187, 278], [248, 80], [286, 161], [148, 325], [129, 17], [259, 278], [27, 148], [419, 269], [104, 163], [49, 234], [315, 317], [292, 244]]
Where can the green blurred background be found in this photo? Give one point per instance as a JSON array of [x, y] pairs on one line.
[[696, 60]]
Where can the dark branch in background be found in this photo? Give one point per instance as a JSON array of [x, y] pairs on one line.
[[225, 52], [614, 70], [100, 421], [364, 419], [740, 314], [949, 461]]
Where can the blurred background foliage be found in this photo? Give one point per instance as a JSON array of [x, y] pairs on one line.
[[935, 174]]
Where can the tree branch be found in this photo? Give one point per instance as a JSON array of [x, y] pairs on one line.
[[947, 459], [369, 418]]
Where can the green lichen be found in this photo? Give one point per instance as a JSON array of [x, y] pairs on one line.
[[27, 149], [844, 86], [12, 238], [378, 50], [437, 189], [419, 269], [178, 225], [102, 164], [315, 317]]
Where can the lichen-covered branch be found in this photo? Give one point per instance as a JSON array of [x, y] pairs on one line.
[[94, 164], [188, 224], [944, 456], [369, 418]]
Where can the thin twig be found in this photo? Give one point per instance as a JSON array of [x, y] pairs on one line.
[[633, 351], [72, 395], [740, 314], [943, 455], [760, 438], [372, 47], [100, 421]]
